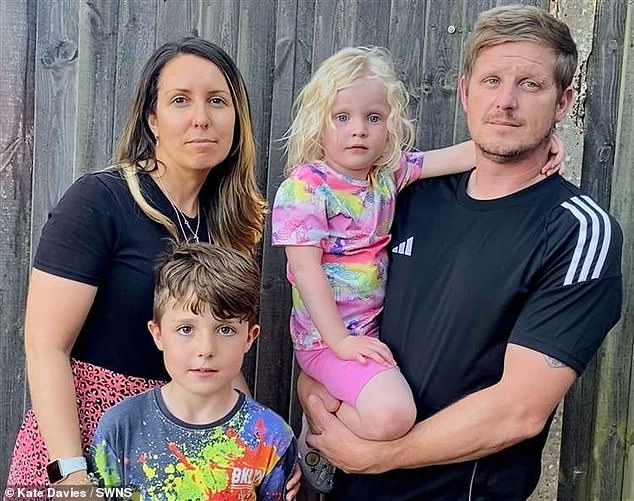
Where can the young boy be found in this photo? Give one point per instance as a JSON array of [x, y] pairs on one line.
[[197, 437]]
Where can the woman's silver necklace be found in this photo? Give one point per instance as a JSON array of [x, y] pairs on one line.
[[180, 214]]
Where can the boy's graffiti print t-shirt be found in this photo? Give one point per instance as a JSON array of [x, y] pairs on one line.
[[247, 455]]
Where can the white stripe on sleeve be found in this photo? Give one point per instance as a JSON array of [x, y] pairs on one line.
[[592, 250], [581, 240], [607, 236]]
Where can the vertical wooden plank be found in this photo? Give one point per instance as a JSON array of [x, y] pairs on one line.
[[371, 22], [276, 375], [293, 56], [623, 208], [176, 19], [580, 18], [17, 58], [405, 41], [219, 20], [55, 106], [274, 352], [256, 52], [135, 43], [98, 26], [592, 458], [255, 57], [328, 38], [470, 14], [439, 78], [303, 56]]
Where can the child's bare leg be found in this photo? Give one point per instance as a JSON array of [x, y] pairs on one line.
[[384, 410]]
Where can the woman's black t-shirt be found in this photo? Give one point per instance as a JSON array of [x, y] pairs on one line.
[[99, 236]]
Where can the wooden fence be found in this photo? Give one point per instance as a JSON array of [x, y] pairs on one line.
[[68, 71]]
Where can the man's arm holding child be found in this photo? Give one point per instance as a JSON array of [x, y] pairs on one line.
[[514, 409], [557, 332]]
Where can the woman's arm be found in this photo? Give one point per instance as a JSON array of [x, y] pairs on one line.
[[55, 311], [315, 291]]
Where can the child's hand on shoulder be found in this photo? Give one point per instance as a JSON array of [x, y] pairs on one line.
[[361, 348], [556, 155]]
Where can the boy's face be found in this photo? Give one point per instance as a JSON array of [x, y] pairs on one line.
[[201, 354]]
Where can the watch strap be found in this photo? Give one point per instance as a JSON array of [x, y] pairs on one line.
[[71, 465], [59, 469]]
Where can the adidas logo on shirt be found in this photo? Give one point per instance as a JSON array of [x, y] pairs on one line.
[[404, 248]]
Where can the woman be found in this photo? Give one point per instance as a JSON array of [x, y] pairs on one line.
[[184, 169]]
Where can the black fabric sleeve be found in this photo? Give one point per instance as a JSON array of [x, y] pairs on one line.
[[579, 295], [80, 234]]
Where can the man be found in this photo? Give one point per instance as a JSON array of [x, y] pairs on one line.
[[502, 286]]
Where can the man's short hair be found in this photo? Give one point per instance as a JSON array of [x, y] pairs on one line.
[[524, 23], [204, 277]]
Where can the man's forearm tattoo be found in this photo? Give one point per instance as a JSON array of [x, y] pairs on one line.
[[554, 363]]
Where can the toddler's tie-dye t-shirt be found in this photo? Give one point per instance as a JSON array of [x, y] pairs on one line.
[[248, 455], [350, 220]]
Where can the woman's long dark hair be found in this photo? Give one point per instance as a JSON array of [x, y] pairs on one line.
[[229, 199]]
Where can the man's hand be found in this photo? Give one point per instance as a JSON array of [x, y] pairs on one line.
[[307, 386], [339, 445], [361, 348]]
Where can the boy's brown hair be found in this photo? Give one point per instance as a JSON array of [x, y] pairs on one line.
[[205, 277]]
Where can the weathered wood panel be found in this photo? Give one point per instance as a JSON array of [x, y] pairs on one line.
[[469, 17], [55, 106], [407, 18], [594, 414], [176, 19], [17, 58], [219, 21], [622, 206], [439, 75], [370, 22], [326, 35], [303, 56], [135, 43], [579, 15], [274, 349], [256, 59], [98, 27], [275, 288]]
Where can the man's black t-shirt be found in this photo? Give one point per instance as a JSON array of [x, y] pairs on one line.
[[539, 268]]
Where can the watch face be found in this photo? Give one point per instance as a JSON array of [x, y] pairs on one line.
[[54, 472]]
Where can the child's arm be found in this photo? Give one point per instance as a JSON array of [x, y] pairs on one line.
[[317, 295], [451, 160], [461, 157]]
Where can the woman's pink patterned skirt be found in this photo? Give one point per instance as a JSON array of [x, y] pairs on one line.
[[97, 389]]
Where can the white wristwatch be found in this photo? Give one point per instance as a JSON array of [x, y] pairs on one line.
[[59, 469]]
